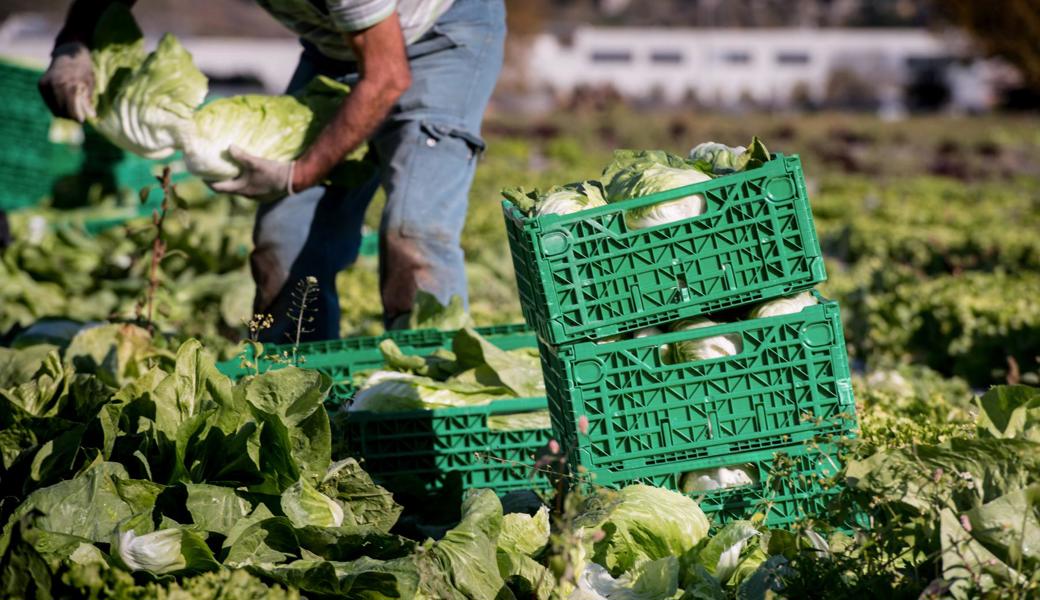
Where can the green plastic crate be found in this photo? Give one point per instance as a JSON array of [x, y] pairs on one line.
[[789, 486], [342, 359], [789, 384], [587, 276], [30, 163], [431, 450]]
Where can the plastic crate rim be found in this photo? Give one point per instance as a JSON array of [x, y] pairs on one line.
[[513, 211], [825, 307], [495, 407]]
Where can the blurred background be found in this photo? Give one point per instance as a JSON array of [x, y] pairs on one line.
[[916, 121], [884, 56]]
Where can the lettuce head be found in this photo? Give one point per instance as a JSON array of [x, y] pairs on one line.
[[640, 523], [142, 101], [721, 159], [272, 127], [787, 305], [635, 174], [715, 346]]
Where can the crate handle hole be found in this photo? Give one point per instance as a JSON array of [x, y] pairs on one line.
[[555, 242], [779, 189], [588, 371], [817, 335]]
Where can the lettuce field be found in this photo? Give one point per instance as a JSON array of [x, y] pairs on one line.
[[133, 468]]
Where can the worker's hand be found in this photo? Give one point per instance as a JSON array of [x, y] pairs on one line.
[[68, 85], [261, 179]]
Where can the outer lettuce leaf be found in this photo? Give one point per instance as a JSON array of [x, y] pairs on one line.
[[520, 372], [650, 580], [640, 523], [1010, 411], [144, 109], [788, 305], [365, 504], [90, 506], [721, 159], [722, 554], [971, 568], [468, 553], [525, 576], [20, 366], [363, 578], [295, 438], [525, 534], [215, 508], [960, 474], [429, 313]]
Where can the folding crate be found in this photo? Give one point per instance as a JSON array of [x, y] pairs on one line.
[[428, 449], [342, 359], [588, 276], [622, 411]]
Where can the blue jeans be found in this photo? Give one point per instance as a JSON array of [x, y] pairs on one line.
[[426, 152]]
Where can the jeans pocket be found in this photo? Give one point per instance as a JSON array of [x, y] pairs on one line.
[[436, 134], [428, 179], [434, 40]]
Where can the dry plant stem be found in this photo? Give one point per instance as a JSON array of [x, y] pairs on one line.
[[158, 245], [303, 296]]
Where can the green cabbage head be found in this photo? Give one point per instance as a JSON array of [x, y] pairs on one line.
[[715, 346], [635, 174], [640, 523], [787, 305], [142, 101], [272, 127]]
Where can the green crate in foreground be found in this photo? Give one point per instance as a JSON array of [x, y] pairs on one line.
[[458, 448], [342, 359], [465, 447], [622, 411], [588, 276]]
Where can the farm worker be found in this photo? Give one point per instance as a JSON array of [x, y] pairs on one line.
[[422, 72]]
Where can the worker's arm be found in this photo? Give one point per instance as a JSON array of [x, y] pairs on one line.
[[82, 19], [385, 75], [67, 86]]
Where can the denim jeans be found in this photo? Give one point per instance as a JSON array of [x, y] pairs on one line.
[[426, 152]]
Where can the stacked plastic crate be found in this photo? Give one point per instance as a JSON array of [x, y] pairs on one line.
[[27, 153], [464, 447], [31, 162], [753, 432]]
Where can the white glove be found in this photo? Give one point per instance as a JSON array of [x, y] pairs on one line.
[[67, 86]]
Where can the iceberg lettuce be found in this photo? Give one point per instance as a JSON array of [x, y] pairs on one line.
[[142, 101], [272, 127], [715, 346], [635, 174], [787, 305]]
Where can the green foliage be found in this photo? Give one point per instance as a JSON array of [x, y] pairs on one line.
[[971, 325], [939, 271]]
